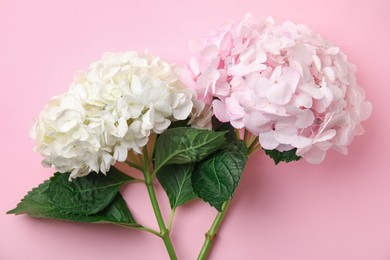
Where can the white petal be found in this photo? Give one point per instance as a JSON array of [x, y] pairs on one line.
[[122, 127], [136, 85], [183, 111], [120, 153], [148, 119]]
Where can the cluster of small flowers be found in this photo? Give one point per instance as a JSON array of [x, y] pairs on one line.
[[114, 107], [281, 82]]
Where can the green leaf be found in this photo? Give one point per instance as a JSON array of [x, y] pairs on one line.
[[227, 127], [215, 179], [287, 156], [37, 204], [176, 181], [86, 195], [186, 145], [116, 212], [180, 123]]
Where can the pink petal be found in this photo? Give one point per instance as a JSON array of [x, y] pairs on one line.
[[208, 78], [238, 124], [262, 86], [305, 118], [317, 62], [329, 73], [280, 94], [325, 136], [256, 122], [242, 69], [234, 109], [301, 141], [261, 57], [285, 134], [187, 78], [366, 110], [291, 77], [210, 51], [220, 111], [222, 87], [302, 99], [226, 45], [301, 54], [333, 50], [312, 89], [194, 66], [248, 55], [276, 73], [314, 155], [268, 141]]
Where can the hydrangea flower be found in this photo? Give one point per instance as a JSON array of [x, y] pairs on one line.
[[282, 82], [111, 108]]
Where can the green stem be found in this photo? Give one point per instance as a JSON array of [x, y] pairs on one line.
[[154, 232], [171, 219], [144, 159], [164, 233], [211, 234], [246, 134], [238, 136], [137, 180], [253, 146], [133, 164]]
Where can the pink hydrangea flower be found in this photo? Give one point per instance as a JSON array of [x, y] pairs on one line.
[[282, 82]]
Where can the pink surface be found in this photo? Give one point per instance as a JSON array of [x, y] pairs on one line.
[[337, 210]]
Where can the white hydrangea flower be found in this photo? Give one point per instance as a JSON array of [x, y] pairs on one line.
[[112, 108]]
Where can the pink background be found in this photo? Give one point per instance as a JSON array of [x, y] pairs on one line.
[[337, 210]]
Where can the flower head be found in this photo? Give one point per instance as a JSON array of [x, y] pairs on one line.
[[113, 107], [282, 82]]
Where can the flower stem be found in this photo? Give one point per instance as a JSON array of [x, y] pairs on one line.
[[164, 232], [246, 134], [212, 233], [154, 232], [171, 219], [131, 164]]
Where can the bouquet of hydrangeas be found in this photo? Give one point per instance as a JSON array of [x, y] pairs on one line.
[[256, 85]]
